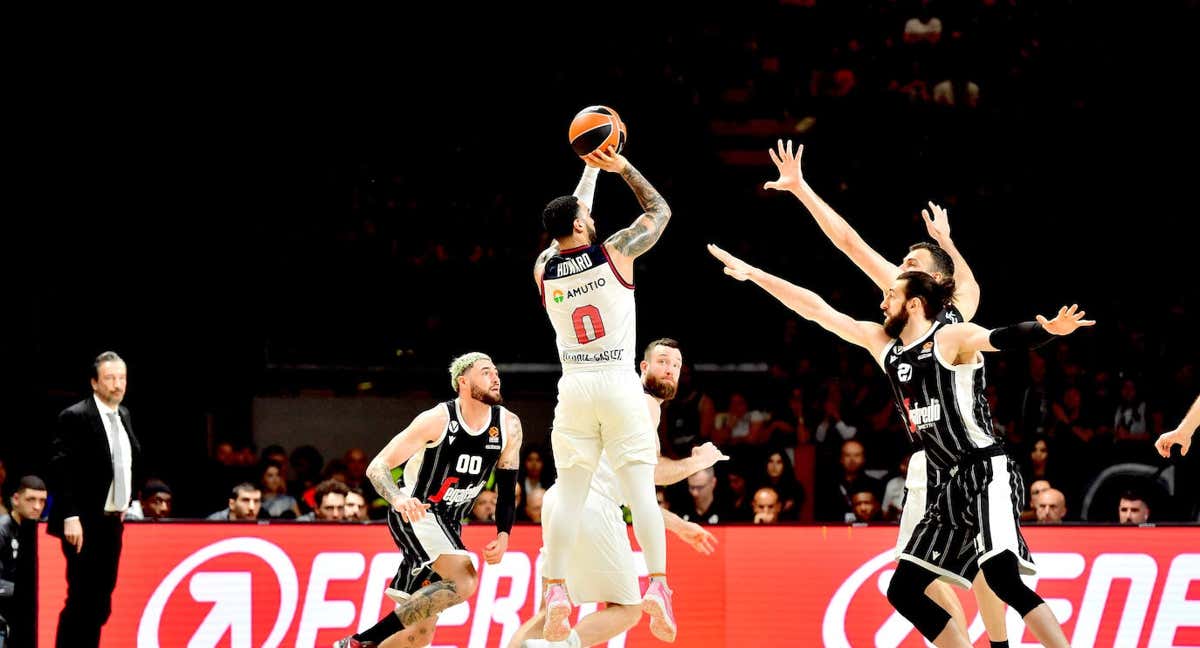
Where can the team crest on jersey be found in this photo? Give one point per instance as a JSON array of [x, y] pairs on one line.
[[453, 427], [904, 372], [557, 295]]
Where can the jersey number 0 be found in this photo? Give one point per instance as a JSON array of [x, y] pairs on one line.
[[588, 325]]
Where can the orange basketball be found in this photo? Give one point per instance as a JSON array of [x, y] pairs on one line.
[[596, 128]]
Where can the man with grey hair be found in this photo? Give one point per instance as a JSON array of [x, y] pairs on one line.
[[94, 455], [448, 453]]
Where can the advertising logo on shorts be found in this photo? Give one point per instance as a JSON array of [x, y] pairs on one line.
[[223, 578]]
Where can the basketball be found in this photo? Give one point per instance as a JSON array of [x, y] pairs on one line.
[[596, 128]]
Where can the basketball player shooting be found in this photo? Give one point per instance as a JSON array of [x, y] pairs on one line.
[[937, 374], [587, 290]]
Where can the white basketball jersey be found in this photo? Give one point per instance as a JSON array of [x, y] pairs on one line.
[[591, 308]]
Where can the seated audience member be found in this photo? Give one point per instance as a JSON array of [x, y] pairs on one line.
[[1051, 506], [766, 506], [154, 503], [330, 502], [1133, 508], [276, 502], [245, 501]]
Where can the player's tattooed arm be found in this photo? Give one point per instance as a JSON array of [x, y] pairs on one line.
[[510, 456], [427, 602], [381, 478], [427, 427], [539, 266], [646, 230]]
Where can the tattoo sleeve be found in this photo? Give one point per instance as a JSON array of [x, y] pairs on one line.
[[381, 478], [645, 231], [545, 255], [427, 602], [511, 457]]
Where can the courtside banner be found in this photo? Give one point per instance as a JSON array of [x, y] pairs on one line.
[[206, 585]]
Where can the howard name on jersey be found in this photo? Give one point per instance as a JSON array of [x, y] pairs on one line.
[[591, 308], [451, 472]]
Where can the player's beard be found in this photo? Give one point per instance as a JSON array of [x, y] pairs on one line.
[[658, 388], [484, 396], [894, 324]]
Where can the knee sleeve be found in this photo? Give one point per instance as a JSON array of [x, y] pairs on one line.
[[1004, 577], [906, 593]]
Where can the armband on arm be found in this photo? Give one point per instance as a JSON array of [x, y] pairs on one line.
[[1026, 335], [506, 499]]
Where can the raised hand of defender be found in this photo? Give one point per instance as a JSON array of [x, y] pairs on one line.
[[790, 177], [1168, 439], [734, 267], [938, 226], [608, 159], [495, 549], [708, 455], [700, 539], [411, 509], [1066, 321]]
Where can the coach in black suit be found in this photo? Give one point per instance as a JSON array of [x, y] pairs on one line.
[[93, 457]]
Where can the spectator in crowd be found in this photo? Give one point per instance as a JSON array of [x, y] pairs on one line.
[[154, 503], [835, 505], [789, 429], [1041, 462], [355, 461], [832, 429], [533, 505], [245, 502], [356, 506], [330, 499], [893, 492], [16, 580], [781, 477], [484, 509], [738, 425], [866, 506], [532, 475], [740, 493], [766, 506], [1130, 422], [3, 479], [1051, 506], [705, 506], [1036, 488], [307, 463], [1133, 509], [276, 502]]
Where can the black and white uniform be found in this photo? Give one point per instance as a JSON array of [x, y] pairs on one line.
[[920, 479], [449, 473], [974, 513]]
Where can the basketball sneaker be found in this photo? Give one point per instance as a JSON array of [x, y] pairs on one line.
[[558, 613], [657, 604]]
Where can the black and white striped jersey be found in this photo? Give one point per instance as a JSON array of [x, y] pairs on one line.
[[450, 473], [942, 405]]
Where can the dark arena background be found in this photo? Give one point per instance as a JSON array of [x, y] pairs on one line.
[[287, 232]]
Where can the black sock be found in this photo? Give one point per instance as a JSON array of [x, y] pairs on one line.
[[1000, 644], [387, 626]]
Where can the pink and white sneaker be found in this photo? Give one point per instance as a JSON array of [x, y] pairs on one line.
[[657, 603], [558, 614]]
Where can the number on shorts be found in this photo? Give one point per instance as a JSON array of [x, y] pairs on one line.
[[588, 325], [469, 464]]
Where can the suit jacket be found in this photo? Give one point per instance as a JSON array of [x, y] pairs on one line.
[[80, 470]]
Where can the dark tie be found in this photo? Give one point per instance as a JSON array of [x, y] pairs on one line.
[[119, 494]]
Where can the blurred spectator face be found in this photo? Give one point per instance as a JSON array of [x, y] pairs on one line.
[[356, 463], [27, 504], [775, 465], [866, 506], [737, 405], [272, 480], [1039, 453], [852, 457], [660, 371], [1051, 506], [225, 455], [1037, 488], [485, 507], [246, 456], [280, 458], [109, 383], [1072, 398], [331, 507], [356, 507], [737, 484], [533, 505], [1128, 391], [766, 506], [1037, 368], [533, 465], [1134, 511], [159, 506], [246, 505], [701, 486]]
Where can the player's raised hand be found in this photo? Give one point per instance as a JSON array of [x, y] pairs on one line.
[[1066, 321], [1168, 439], [734, 267], [608, 159], [700, 539], [707, 455], [938, 225], [790, 177], [411, 509], [495, 549]]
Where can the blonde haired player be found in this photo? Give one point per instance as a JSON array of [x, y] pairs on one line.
[[601, 568], [587, 289]]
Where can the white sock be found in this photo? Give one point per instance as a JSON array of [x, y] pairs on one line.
[[637, 487]]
